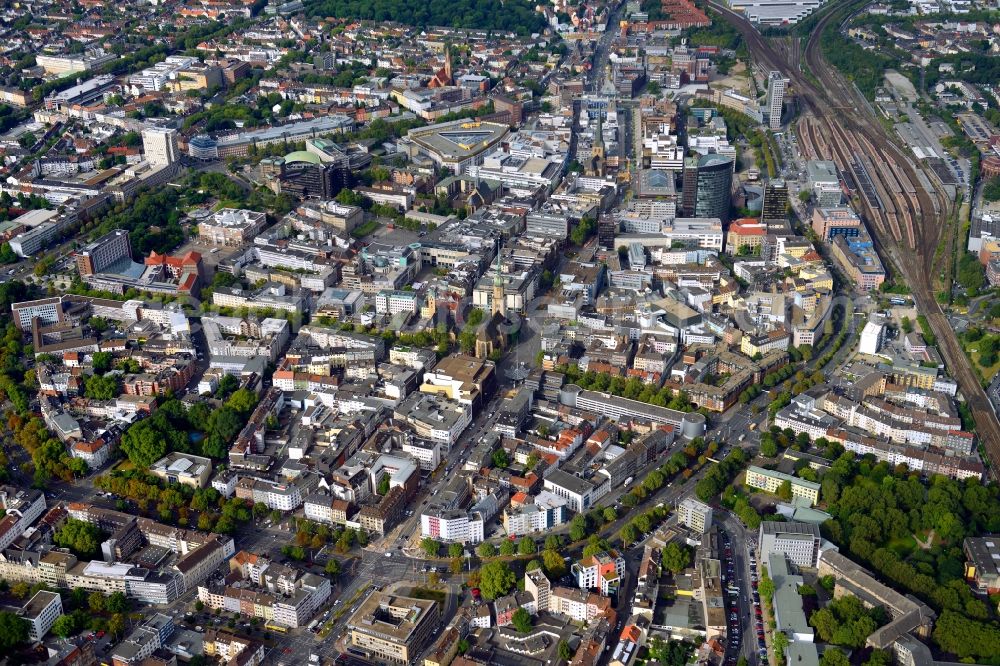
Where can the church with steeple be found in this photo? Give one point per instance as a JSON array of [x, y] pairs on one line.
[[500, 330], [443, 78]]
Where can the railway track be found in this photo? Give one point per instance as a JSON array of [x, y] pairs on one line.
[[906, 218]]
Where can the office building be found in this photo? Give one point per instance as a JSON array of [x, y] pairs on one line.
[[548, 511], [860, 260], [771, 481], [32, 241], [707, 187], [232, 227], [822, 178], [695, 515], [775, 99], [160, 145], [607, 228], [625, 410], [104, 252], [872, 336], [799, 542], [62, 65], [46, 310], [305, 175], [828, 223], [183, 468], [775, 204], [452, 525], [392, 628], [580, 494], [41, 612]]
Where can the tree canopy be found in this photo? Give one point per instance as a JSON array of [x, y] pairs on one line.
[[676, 558], [13, 630], [496, 579], [513, 15], [83, 538]]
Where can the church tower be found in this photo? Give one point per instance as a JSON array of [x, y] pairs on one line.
[[430, 310], [447, 65], [597, 150], [499, 302]]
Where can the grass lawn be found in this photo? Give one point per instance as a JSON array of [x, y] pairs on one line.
[[124, 466], [903, 546], [427, 594], [985, 373], [365, 229]]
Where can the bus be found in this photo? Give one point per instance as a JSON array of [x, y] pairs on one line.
[[280, 628]]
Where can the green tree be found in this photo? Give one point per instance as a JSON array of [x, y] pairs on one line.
[[95, 601], [834, 657], [496, 579], [507, 548], [65, 626], [785, 490], [486, 549], [526, 546], [991, 190], [242, 401], [779, 642], [500, 458], [553, 563], [578, 527], [879, 658], [81, 537], [117, 603], [13, 631], [455, 550], [116, 625], [676, 558], [430, 546], [629, 532], [7, 255], [967, 638], [521, 619], [101, 362], [564, 651], [101, 387]]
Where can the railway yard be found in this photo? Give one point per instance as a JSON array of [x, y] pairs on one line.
[[906, 207]]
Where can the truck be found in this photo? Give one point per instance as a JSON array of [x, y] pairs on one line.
[[628, 481]]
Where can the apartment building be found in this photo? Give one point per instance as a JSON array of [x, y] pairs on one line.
[[602, 571], [771, 481]]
